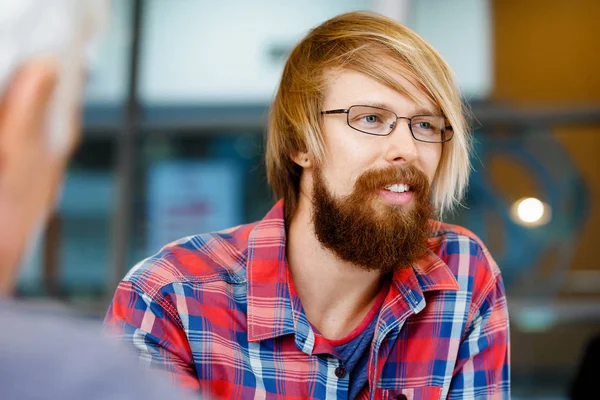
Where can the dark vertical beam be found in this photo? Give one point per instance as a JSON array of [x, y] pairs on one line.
[[127, 158], [51, 270]]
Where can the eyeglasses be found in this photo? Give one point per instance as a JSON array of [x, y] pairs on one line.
[[381, 122]]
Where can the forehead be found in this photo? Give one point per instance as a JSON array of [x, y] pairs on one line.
[[346, 88]]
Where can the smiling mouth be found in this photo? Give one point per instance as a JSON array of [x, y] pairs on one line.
[[398, 188], [397, 194]]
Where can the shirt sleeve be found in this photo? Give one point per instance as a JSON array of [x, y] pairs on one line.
[[151, 325], [482, 370]]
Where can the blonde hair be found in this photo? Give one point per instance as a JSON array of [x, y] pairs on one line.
[[375, 46]]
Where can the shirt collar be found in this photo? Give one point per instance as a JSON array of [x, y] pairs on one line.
[[271, 310]]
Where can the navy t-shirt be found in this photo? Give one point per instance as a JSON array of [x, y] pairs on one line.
[[354, 350], [355, 355]]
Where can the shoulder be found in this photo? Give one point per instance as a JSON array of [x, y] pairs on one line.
[[467, 257], [456, 243], [203, 258], [47, 338]]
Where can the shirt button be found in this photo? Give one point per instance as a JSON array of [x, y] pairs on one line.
[[340, 372], [401, 397]]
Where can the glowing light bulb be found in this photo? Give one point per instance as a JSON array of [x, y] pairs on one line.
[[531, 212]]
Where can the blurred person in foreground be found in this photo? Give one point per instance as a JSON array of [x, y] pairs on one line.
[[348, 288], [44, 356]]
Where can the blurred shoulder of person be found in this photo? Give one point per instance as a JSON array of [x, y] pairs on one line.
[[47, 354]]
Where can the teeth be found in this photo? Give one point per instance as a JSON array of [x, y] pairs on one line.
[[398, 188]]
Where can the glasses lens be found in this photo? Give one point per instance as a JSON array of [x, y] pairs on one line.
[[429, 128], [447, 134], [371, 120]]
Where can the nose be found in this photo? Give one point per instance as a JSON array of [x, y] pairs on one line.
[[400, 144]]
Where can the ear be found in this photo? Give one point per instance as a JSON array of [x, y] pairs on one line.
[[23, 106], [303, 159]]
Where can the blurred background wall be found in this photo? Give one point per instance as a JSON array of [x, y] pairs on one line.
[[175, 116], [546, 53]]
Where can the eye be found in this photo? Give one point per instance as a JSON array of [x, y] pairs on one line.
[[371, 119], [423, 125]]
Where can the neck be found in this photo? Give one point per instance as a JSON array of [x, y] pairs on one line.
[[336, 295]]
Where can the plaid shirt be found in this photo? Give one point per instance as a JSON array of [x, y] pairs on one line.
[[216, 312]]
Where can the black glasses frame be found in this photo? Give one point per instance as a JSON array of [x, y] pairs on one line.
[[347, 112]]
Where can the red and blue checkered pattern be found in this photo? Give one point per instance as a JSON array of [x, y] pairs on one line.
[[216, 312]]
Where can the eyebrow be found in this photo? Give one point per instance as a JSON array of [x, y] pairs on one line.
[[387, 106]]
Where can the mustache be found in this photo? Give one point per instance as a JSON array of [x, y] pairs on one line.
[[377, 179]]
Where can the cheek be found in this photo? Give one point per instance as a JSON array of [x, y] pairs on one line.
[[345, 163]]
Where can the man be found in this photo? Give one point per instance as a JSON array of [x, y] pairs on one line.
[[42, 355], [347, 288]]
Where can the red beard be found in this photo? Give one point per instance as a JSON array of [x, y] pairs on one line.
[[375, 237]]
